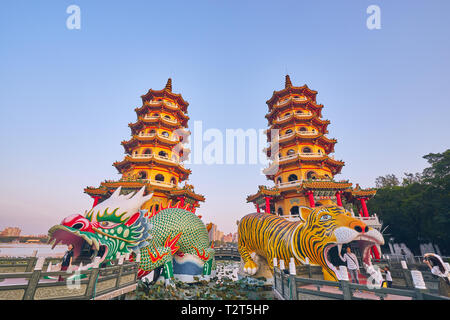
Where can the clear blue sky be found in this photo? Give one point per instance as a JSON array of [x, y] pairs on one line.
[[68, 95]]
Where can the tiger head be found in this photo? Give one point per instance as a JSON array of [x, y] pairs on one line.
[[325, 230]]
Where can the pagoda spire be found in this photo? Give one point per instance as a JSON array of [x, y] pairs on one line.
[[169, 85], [288, 83]]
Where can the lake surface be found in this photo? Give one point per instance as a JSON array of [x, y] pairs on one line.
[[27, 249]]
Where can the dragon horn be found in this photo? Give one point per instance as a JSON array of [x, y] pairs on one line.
[[116, 193], [139, 193], [147, 197]]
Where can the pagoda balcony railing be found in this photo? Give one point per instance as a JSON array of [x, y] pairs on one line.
[[148, 117], [160, 183], [303, 133], [371, 221], [141, 134], [301, 99], [169, 104], [157, 156], [285, 136], [295, 155], [305, 115], [307, 133], [311, 154], [281, 103], [289, 184]]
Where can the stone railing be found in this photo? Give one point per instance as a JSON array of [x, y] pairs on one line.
[[96, 283], [289, 286]]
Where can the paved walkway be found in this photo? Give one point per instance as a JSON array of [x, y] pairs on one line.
[[363, 294]]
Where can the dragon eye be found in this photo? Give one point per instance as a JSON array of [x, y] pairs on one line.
[[107, 224], [325, 217]]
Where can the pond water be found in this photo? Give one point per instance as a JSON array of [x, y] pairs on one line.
[[27, 249]]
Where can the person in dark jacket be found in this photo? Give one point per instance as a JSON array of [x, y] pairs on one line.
[[66, 260]]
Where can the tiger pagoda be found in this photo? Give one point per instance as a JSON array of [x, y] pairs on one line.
[[302, 166], [155, 153]]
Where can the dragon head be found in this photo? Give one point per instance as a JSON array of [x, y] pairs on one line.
[[326, 229], [116, 225]]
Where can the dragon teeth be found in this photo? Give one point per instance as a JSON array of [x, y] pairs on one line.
[[97, 245]]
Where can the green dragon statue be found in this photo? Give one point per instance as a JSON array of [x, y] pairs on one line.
[[117, 226]]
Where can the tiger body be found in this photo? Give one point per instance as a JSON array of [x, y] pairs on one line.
[[320, 228], [271, 237]]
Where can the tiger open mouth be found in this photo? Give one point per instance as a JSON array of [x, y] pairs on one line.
[[363, 241], [81, 241]]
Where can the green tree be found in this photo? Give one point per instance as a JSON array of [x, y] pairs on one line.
[[417, 211]]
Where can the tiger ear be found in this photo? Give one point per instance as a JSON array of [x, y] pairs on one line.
[[304, 212]]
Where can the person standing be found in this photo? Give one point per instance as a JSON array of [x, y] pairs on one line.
[[388, 277], [66, 260], [352, 264]]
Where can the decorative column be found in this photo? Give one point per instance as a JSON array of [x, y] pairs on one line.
[[258, 209], [338, 198], [96, 200], [375, 252], [181, 199], [312, 203], [268, 204], [364, 207]]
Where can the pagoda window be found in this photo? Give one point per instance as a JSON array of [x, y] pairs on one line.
[[299, 111], [159, 177], [311, 175], [148, 151], [290, 152], [156, 114], [306, 150], [287, 114], [167, 117], [165, 134], [303, 129], [173, 181], [279, 180], [292, 177], [163, 154], [288, 131], [153, 131], [160, 100], [142, 175], [294, 211], [280, 211]]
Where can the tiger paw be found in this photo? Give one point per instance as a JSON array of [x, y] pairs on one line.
[[250, 267]]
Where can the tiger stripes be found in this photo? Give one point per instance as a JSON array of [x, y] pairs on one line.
[[272, 236]]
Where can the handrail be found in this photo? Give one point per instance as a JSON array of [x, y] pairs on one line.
[[295, 287], [32, 287]]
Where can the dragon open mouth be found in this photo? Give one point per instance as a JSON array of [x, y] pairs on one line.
[[363, 242], [85, 248]]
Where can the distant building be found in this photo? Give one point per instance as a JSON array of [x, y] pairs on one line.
[[228, 238], [11, 232], [235, 237], [212, 232]]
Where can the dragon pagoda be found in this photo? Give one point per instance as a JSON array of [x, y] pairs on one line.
[[155, 153]]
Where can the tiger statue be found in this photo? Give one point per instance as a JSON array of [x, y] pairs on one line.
[[318, 236]]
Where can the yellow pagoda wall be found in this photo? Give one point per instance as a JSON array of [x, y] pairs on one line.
[[300, 200]]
